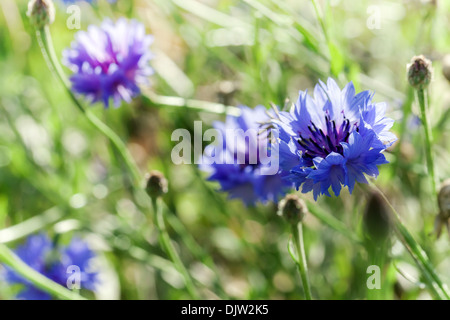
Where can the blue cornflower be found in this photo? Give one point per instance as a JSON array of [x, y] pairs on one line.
[[53, 262], [333, 139], [110, 61], [243, 162]]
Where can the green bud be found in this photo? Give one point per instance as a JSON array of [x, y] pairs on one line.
[[443, 218], [157, 184], [41, 13], [420, 72], [376, 219], [444, 200], [292, 208]]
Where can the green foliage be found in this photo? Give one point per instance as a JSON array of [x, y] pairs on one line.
[[60, 172]]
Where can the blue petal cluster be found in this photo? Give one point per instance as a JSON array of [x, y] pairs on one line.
[[110, 61], [41, 254], [333, 139], [248, 180]]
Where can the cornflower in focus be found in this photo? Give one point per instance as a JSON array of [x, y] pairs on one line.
[[333, 139]]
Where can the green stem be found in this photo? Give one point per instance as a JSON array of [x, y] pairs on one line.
[[433, 281], [10, 259], [170, 250], [407, 106], [320, 19], [46, 43], [297, 233], [195, 105], [195, 248], [31, 225], [428, 139], [332, 222]]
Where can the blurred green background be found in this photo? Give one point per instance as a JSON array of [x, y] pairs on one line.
[[58, 170]]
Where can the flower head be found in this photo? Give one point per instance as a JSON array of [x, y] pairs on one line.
[[333, 139], [243, 162], [110, 61], [292, 208], [43, 256], [157, 184], [420, 72], [41, 13]]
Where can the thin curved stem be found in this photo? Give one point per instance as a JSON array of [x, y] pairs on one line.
[[170, 250], [433, 282], [332, 222], [297, 233], [10, 259], [195, 105], [31, 225], [320, 19], [428, 139]]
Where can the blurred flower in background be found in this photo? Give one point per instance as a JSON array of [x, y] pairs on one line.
[[110, 61], [54, 262], [247, 181], [333, 139]]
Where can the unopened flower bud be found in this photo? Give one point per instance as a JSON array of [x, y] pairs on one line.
[[156, 184], [443, 218], [41, 13], [446, 66], [420, 72], [377, 223], [444, 199], [292, 208]]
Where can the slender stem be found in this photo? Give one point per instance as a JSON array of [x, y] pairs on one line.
[[320, 19], [31, 225], [170, 250], [195, 105], [428, 139], [297, 233], [10, 259], [195, 248], [332, 222], [433, 281], [46, 43], [407, 106]]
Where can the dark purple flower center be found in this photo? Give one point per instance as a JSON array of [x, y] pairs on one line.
[[320, 144]]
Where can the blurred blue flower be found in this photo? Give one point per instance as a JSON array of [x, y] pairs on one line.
[[246, 166], [333, 139], [43, 256], [110, 61]]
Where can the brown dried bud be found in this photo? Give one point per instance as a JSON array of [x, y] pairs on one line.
[[41, 13], [420, 72], [292, 208], [157, 184]]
